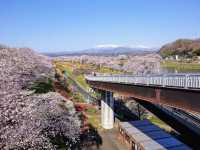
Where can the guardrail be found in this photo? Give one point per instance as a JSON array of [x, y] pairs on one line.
[[188, 118], [166, 80]]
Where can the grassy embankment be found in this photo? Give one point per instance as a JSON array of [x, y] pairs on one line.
[[181, 66], [159, 123], [77, 70], [94, 118]]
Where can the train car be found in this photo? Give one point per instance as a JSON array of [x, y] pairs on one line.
[[143, 135]]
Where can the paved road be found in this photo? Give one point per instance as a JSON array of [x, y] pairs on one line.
[[110, 141]]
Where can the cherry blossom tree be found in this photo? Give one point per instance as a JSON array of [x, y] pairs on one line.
[[29, 120]]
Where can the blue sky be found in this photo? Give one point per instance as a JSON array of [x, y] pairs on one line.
[[58, 25]]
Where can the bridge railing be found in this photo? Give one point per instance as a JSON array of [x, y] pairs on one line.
[[166, 80]]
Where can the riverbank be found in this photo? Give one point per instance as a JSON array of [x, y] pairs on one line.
[[180, 67]]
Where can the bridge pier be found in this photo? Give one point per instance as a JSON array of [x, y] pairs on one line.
[[107, 112]]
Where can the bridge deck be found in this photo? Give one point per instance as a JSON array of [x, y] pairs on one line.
[[191, 81], [180, 91]]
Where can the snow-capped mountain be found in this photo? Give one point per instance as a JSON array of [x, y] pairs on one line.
[[109, 49]]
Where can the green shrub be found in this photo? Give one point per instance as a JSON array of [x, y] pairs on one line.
[[42, 86], [91, 110], [77, 97]]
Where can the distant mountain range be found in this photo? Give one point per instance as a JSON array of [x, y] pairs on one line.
[[107, 50]]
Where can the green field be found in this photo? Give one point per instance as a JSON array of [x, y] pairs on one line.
[[180, 66], [77, 71]]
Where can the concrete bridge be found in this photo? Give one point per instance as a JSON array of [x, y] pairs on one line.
[[180, 91]]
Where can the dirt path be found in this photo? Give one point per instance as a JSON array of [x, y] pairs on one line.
[[110, 141]]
